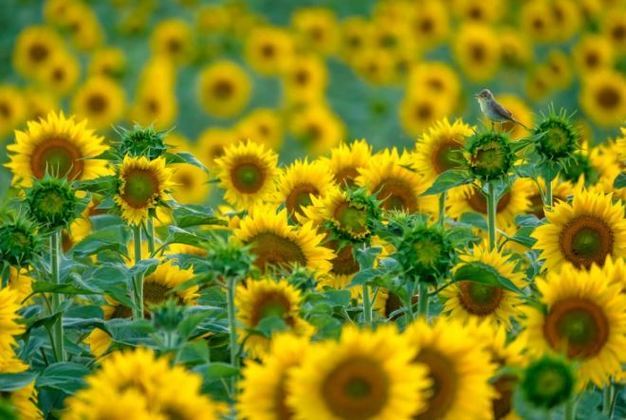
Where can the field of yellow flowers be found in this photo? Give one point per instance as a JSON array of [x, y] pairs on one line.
[[275, 209]]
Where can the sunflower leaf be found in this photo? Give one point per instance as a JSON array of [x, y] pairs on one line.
[[63, 376], [184, 157], [14, 381], [449, 179], [195, 215], [485, 274], [620, 181]]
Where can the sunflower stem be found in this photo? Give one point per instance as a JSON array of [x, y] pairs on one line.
[[570, 409], [232, 329], [492, 203], [150, 235], [55, 269], [607, 394], [442, 208], [548, 199], [138, 309], [422, 300], [367, 305]]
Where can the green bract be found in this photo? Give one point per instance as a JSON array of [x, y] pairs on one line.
[[548, 382], [142, 142], [489, 155], [19, 242], [52, 203], [557, 136]]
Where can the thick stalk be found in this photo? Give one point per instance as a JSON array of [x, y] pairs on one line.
[[55, 270], [232, 329], [442, 208], [150, 235], [138, 280], [492, 203], [367, 305], [548, 199], [422, 300]]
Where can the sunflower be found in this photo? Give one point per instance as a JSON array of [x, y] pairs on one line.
[[584, 319], [603, 97], [375, 65], [56, 145], [9, 326], [418, 112], [429, 24], [156, 107], [60, 74], [34, 48], [317, 127], [101, 101], [143, 184], [246, 171], [275, 243], [537, 20], [211, 144], [356, 35], [440, 148], [346, 160], [477, 51], [392, 36], [300, 182], [38, 104], [438, 79], [12, 109], [128, 404], [561, 191], [83, 26], [593, 53], [109, 62], [190, 184], [317, 29], [478, 11], [173, 38], [521, 112], [23, 399], [458, 367], [224, 89], [21, 282], [263, 298], [537, 84], [614, 28], [582, 233], [263, 125], [515, 48], [559, 68], [466, 299], [264, 390], [514, 201], [268, 50], [566, 19], [398, 187], [76, 232], [364, 375], [304, 80]]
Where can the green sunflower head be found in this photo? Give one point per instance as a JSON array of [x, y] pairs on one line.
[[557, 138], [548, 382], [20, 242], [579, 165], [52, 202], [142, 141], [489, 155], [356, 219]]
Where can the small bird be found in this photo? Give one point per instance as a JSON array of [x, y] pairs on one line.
[[493, 110]]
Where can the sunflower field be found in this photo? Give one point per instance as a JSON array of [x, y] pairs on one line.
[[312, 209]]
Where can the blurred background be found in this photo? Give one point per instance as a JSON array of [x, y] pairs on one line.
[[303, 76]]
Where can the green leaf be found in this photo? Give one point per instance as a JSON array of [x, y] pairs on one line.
[[217, 370], [102, 185], [13, 381], [270, 324], [485, 274], [145, 267], [186, 216], [449, 179], [474, 219], [522, 236], [184, 157], [366, 256], [338, 297], [620, 181], [41, 286], [114, 280], [364, 276], [64, 376], [177, 235], [112, 238]]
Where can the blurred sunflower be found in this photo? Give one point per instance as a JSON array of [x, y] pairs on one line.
[[60, 74], [614, 28], [21, 282], [263, 298], [593, 53], [275, 243], [465, 300], [24, 397], [318, 128], [101, 101], [190, 184], [363, 375], [143, 184], [392, 36], [537, 84], [173, 38], [211, 144], [224, 89], [459, 370], [429, 24], [12, 109], [477, 51], [355, 36], [157, 107], [537, 20], [108, 61], [34, 48], [304, 80], [246, 172], [478, 11], [10, 325], [268, 50], [515, 49], [418, 112], [262, 125], [82, 24], [603, 97], [566, 19], [38, 104], [317, 29], [376, 66], [300, 182], [584, 319], [560, 69], [264, 385], [582, 233], [56, 145], [346, 160], [76, 232], [436, 78]]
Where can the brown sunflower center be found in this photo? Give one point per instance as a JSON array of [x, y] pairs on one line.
[[5, 110], [302, 77], [396, 194], [478, 53], [272, 303], [578, 326], [247, 176], [283, 411], [423, 111], [38, 52], [141, 186], [268, 51], [58, 74], [618, 33], [608, 97], [446, 156], [479, 299], [271, 249], [223, 89], [444, 383], [592, 59], [426, 25], [435, 84], [300, 196], [503, 404], [97, 103], [538, 24], [154, 293], [174, 45], [356, 388], [58, 157], [153, 106], [478, 202], [185, 181], [347, 176], [586, 240], [344, 263], [475, 13]]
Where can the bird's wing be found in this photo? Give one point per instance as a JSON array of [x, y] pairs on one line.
[[502, 111]]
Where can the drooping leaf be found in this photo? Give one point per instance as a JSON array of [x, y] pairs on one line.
[[485, 274], [620, 180], [13, 381], [194, 215], [449, 179], [63, 376]]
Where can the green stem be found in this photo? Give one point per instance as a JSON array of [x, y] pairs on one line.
[[607, 399], [422, 300], [367, 305], [232, 329], [570, 409], [150, 235], [548, 199], [442, 208], [492, 203], [138, 280], [55, 268]]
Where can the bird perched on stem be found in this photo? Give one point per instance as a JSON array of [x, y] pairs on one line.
[[493, 110]]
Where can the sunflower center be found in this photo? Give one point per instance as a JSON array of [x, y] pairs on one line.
[[57, 156], [185, 181], [58, 74], [96, 103], [346, 176], [592, 59], [444, 383], [283, 412], [357, 388], [478, 53], [479, 299], [504, 386], [586, 240], [538, 24], [478, 202], [174, 45], [351, 219], [247, 177], [38, 52], [428, 251], [423, 112], [140, 187], [607, 97], [5, 110], [302, 77], [154, 293], [344, 263], [475, 13], [490, 157], [268, 51], [557, 141], [299, 197], [618, 33], [223, 89], [578, 326], [271, 304], [153, 106], [271, 249], [396, 195], [447, 156]]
